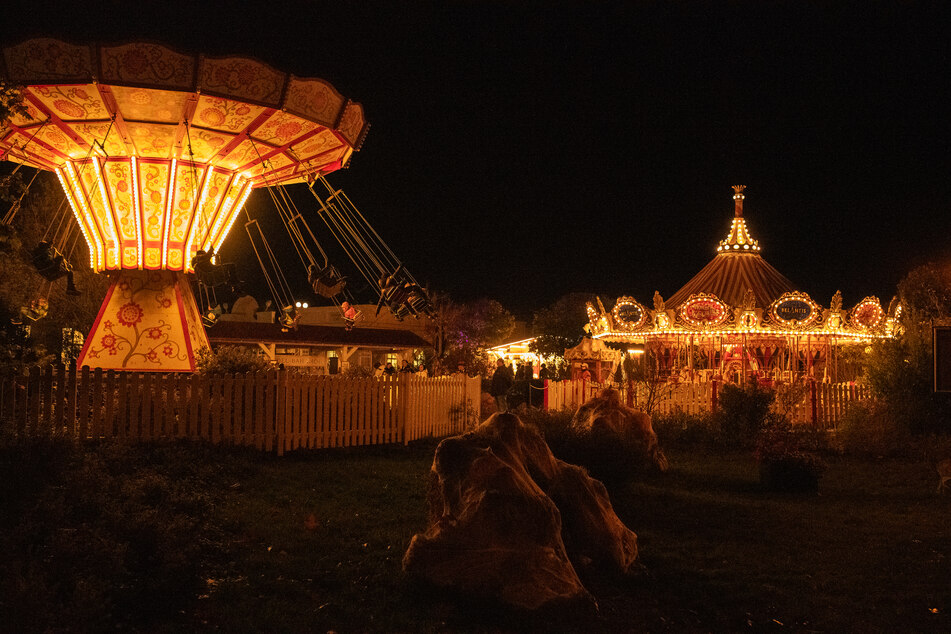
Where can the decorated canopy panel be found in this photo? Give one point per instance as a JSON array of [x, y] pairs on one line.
[[730, 275], [157, 150]]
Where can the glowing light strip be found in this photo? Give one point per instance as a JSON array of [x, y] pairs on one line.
[[90, 219], [226, 207], [107, 211], [79, 218], [723, 333], [237, 210], [167, 222], [137, 214], [196, 219]]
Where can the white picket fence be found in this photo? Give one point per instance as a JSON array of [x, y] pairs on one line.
[[822, 404], [273, 411]]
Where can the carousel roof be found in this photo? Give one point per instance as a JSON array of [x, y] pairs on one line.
[[737, 267]]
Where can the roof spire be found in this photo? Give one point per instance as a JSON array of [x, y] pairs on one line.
[[738, 200], [739, 240]]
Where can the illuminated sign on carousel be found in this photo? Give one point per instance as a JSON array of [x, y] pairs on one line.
[[703, 310], [794, 310], [629, 314], [867, 314]]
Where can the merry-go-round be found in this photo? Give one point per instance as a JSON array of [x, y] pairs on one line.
[[739, 319]]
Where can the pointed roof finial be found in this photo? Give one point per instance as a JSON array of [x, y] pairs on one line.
[[739, 240], [738, 200]]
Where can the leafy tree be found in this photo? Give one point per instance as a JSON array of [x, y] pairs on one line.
[[900, 371], [461, 332], [43, 213], [561, 325]]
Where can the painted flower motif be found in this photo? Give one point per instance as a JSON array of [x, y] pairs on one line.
[[123, 285], [166, 303], [80, 93], [288, 130], [107, 323], [122, 186], [167, 350], [212, 117], [156, 197], [152, 356], [130, 314], [135, 61], [93, 354], [108, 341], [69, 109], [155, 333], [113, 350], [242, 110]]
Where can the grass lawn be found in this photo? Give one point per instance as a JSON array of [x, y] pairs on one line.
[[313, 542]]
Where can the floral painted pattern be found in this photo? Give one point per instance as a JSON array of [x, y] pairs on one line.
[[143, 328]]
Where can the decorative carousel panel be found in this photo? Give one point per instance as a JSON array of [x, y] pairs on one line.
[[158, 106], [149, 321], [71, 102], [242, 78], [147, 64], [225, 115], [867, 314], [282, 128], [352, 124], [95, 132], [61, 145], [629, 314], [314, 99], [703, 310], [48, 60], [153, 140], [794, 310]]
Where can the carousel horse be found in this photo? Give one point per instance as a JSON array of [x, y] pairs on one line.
[[325, 281], [51, 264]]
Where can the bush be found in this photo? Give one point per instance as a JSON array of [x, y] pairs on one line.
[[869, 429], [613, 461], [788, 457], [679, 428], [114, 537], [230, 360], [742, 412]]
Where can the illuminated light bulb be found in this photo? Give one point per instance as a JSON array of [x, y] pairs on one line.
[[304, 305]]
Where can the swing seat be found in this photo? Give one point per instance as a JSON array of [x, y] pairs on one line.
[[329, 290], [49, 262]]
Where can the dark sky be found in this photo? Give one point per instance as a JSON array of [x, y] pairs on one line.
[[523, 150]]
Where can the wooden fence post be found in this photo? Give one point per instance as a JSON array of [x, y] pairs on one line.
[[813, 399]]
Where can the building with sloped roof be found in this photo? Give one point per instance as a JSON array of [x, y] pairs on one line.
[[739, 318], [321, 342]]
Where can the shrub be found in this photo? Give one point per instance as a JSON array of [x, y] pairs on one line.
[[612, 460], [870, 429], [686, 429], [113, 537], [230, 360], [742, 412], [788, 457]]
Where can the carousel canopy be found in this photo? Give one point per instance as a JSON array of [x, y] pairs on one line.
[[157, 150], [737, 268]]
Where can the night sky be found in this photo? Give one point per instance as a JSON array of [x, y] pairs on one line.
[[523, 150]]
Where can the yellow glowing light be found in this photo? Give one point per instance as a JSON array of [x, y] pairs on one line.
[[79, 217], [108, 213], [86, 215], [237, 210], [223, 213], [167, 222], [135, 207], [198, 214]]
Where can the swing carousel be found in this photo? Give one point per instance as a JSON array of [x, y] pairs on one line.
[[739, 319], [157, 152]]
